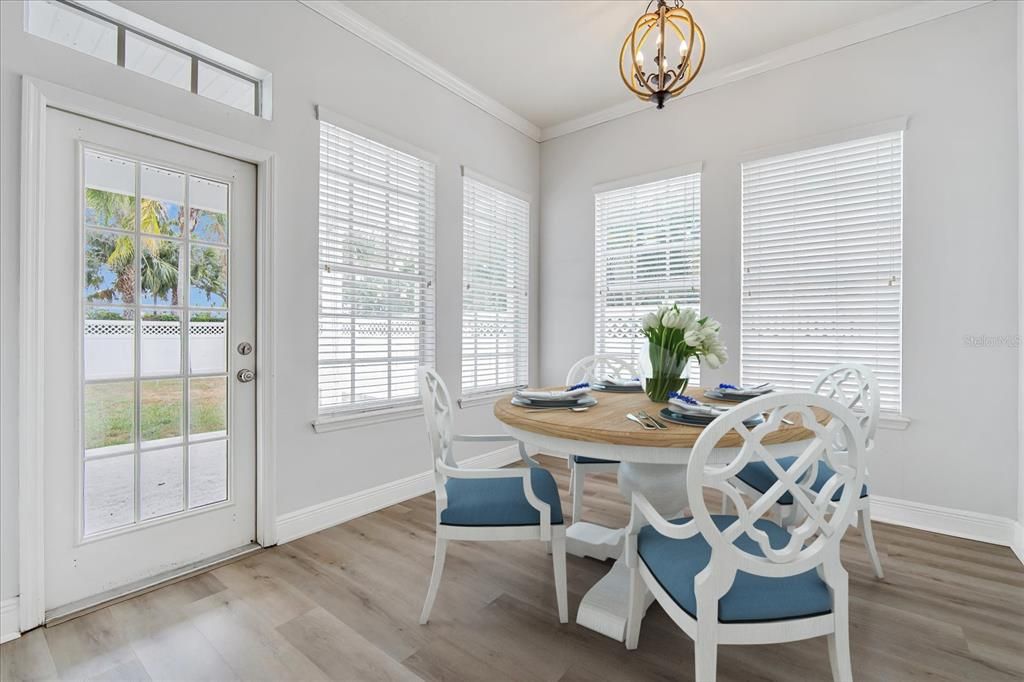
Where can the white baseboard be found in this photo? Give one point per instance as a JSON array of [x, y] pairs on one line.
[[294, 525], [996, 530], [9, 620]]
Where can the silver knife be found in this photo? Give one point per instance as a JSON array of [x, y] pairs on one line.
[[632, 417]]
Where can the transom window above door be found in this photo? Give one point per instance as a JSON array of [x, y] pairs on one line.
[[116, 35]]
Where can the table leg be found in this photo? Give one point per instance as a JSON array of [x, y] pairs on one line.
[[605, 607]]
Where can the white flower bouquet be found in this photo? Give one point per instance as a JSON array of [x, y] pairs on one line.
[[674, 336]]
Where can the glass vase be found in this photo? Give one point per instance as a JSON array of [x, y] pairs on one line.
[[662, 371]]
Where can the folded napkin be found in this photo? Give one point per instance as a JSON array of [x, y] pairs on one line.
[[612, 381], [684, 404], [570, 392], [758, 389]]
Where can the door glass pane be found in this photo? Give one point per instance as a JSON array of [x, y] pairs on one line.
[[208, 216], [109, 191], [207, 473], [161, 411], [109, 414], [161, 343], [208, 401], [157, 61], [109, 346], [160, 271], [208, 271], [207, 343], [109, 267], [109, 487], [163, 201], [161, 483], [148, 232]]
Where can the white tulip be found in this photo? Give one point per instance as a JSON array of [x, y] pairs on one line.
[[694, 337], [712, 360], [689, 318], [672, 320], [651, 321]]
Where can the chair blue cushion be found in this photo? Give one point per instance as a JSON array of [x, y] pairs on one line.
[[579, 459], [759, 477], [752, 598], [499, 501]]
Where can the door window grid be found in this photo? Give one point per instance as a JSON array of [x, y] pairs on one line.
[[120, 438]]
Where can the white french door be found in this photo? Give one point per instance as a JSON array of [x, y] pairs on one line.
[[149, 323]]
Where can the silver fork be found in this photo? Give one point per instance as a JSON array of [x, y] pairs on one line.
[[643, 415], [647, 427]]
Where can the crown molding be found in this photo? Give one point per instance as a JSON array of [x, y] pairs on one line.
[[912, 15], [353, 22]]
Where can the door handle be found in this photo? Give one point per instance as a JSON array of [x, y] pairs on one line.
[[245, 375]]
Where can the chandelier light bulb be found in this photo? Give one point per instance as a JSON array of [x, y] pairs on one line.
[[682, 47], [639, 58]]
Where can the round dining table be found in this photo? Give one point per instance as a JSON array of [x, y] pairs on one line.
[[652, 462]]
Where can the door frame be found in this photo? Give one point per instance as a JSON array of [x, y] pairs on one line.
[[37, 97]]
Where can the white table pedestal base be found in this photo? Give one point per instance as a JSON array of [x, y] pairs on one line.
[[605, 607], [584, 539]]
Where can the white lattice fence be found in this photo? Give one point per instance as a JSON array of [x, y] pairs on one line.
[[109, 347]]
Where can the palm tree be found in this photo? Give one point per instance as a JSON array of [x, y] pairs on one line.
[[159, 257]]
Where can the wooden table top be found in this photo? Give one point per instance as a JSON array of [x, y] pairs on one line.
[[606, 422]]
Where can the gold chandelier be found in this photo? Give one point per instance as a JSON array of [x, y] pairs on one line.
[[672, 26]]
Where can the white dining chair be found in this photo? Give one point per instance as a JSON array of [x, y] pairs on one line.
[[487, 504], [743, 579], [589, 369], [856, 387]]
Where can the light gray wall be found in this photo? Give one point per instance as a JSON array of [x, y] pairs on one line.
[[313, 62], [960, 229]]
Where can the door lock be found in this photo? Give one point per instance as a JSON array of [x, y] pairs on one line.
[[245, 375], [244, 348]]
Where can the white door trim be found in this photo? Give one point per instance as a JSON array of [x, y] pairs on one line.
[[37, 97]]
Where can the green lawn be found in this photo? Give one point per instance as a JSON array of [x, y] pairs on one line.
[[109, 411]]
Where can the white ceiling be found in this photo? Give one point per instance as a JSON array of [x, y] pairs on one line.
[[551, 61]]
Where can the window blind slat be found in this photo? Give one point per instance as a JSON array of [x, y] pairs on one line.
[[822, 264], [376, 258], [647, 254], [495, 288]]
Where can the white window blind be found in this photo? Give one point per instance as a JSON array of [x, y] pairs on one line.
[[495, 283], [822, 263], [376, 272], [647, 247]]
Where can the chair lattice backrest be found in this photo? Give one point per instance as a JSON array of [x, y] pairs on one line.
[[602, 366], [856, 387], [437, 409], [817, 536]]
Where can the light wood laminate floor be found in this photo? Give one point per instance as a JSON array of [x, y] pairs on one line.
[[343, 604]]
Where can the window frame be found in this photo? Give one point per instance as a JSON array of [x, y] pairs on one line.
[[521, 373], [127, 22], [889, 418], [665, 175], [333, 419]]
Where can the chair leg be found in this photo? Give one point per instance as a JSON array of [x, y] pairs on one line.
[[705, 654], [637, 597], [558, 558], [578, 479], [869, 539], [440, 549], [839, 651], [839, 640]]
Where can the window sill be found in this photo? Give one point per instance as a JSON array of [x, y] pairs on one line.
[[893, 422], [482, 398], [352, 420]]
